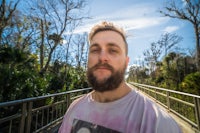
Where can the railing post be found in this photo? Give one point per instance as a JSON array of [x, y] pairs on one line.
[[155, 96], [22, 121], [10, 127], [168, 100], [68, 100], [29, 117], [197, 111]]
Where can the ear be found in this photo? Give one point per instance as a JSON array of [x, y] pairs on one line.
[[127, 61]]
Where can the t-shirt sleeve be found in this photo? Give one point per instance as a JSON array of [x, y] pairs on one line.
[[68, 120], [166, 124]]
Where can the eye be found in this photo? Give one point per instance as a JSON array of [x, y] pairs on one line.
[[94, 50], [112, 51]]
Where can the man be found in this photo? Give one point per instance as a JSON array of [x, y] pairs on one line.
[[113, 106]]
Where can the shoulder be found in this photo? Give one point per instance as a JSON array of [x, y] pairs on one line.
[[166, 124], [68, 118], [153, 112], [78, 101]]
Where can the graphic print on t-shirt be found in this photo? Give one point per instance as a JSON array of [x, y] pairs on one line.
[[80, 126]]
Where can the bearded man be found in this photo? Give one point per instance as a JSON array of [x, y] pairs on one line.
[[113, 106]]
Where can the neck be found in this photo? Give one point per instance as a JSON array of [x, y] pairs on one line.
[[110, 96]]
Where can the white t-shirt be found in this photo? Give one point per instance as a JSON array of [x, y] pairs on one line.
[[134, 113]]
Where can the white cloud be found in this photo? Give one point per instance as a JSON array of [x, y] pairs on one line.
[[170, 29], [141, 23], [137, 16], [127, 24]]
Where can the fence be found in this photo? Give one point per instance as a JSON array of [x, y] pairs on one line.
[[36, 114], [184, 105]]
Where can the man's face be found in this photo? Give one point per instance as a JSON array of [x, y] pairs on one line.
[[107, 61]]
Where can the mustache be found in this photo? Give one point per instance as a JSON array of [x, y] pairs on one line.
[[105, 65]]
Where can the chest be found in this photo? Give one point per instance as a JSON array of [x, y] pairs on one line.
[[120, 117]]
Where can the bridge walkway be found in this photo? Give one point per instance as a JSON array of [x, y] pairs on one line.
[[44, 114]]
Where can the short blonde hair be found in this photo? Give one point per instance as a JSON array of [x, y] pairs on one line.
[[108, 26]]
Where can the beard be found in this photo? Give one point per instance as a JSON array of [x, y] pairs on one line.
[[109, 83]]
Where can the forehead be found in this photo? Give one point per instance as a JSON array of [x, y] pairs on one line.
[[108, 37]]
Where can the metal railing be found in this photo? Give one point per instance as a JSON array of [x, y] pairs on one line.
[[184, 105], [39, 114], [36, 114]]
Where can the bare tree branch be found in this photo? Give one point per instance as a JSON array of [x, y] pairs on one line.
[[190, 12]]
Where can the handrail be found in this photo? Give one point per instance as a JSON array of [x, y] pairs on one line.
[[36, 114], [176, 102], [164, 89], [9, 103]]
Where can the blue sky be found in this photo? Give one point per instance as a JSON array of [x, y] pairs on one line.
[[142, 22]]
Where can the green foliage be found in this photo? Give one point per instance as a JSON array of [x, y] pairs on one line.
[[191, 83], [76, 79], [19, 76], [56, 83], [10, 55], [137, 74], [65, 77], [176, 72], [22, 74]]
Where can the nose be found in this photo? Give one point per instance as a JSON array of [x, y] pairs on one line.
[[103, 56]]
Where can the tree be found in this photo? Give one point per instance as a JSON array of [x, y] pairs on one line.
[[16, 29], [19, 77], [6, 15], [55, 19], [189, 12], [191, 83], [81, 50], [151, 55], [165, 43], [41, 30], [168, 41], [76, 74], [173, 70], [138, 74]]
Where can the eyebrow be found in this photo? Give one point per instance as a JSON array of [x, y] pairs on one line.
[[109, 44], [94, 45], [113, 45]]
